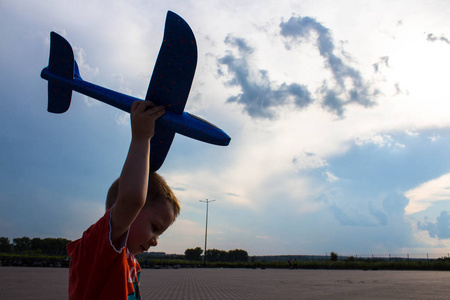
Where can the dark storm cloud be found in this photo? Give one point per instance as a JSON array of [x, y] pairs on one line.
[[349, 85], [332, 101], [439, 229], [259, 95]]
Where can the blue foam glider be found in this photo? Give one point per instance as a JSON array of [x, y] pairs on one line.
[[169, 86]]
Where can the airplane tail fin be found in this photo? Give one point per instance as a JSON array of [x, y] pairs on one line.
[[61, 63]]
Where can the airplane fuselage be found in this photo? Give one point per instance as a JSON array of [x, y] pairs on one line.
[[184, 123]]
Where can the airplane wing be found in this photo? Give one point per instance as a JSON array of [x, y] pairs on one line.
[[171, 80], [175, 66], [159, 147]]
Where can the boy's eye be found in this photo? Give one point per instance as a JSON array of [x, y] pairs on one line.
[[155, 229]]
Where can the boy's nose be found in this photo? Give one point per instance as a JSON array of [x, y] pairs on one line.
[[154, 242]]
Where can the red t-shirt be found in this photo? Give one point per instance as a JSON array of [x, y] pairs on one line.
[[100, 271]]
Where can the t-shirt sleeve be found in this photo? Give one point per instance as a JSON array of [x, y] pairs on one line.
[[123, 241], [97, 240]]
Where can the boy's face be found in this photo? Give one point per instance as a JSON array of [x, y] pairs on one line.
[[150, 223]]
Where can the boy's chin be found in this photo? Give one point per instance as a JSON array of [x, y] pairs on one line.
[[137, 250], [141, 250]]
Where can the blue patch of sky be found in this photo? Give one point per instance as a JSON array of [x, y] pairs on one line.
[[373, 168]]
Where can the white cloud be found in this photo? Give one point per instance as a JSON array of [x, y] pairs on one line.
[[380, 140], [86, 70], [411, 132], [122, 118], [424, 195], [331, 177], [434, 137], [89, 101], [309, 161]]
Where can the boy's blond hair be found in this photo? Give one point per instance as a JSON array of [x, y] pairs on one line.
[[158, 190]]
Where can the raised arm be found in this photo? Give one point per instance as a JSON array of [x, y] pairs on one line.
[[133, 182]]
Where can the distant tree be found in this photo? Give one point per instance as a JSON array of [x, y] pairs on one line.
[[5, 245], [237, 255], [36, 245], [214, 255], [22, 244], [351, 258], [52, 246], [47, 246], [193, 254], [333, 256]]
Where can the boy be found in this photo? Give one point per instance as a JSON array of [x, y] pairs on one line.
[[140, 207]]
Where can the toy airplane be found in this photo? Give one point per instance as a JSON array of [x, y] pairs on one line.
[[169, 86]]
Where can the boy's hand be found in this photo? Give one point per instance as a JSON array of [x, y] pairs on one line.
[[143, 117]]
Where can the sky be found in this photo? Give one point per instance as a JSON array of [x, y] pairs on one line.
[[338, 113]]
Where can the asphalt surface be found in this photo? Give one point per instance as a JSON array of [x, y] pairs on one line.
[[51, 283]]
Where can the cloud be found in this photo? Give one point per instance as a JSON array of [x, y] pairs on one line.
[[423, 196], [439, 229], [380, 140], [349, 85], [308, 161], [86, 70], [370, 223], [384, 212], [330, 176], [382, 61], [122, 118], [432, 38], [349, 217], [258, 94], [434, 137], [332, 101], [411, 132]]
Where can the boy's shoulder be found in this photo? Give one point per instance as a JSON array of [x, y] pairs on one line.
[[96, 239]]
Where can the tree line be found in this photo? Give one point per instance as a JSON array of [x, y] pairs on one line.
[[24, 245], [57, 247], [215, 255]]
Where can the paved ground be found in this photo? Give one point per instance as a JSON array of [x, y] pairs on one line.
[[48, 283]]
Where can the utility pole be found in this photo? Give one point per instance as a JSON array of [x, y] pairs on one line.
[[206, 229]]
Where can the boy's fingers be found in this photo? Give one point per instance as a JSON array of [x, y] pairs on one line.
[[160, 113], [142, 105], [134, 105], [148, 104], [147, 109], [156, 111]]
